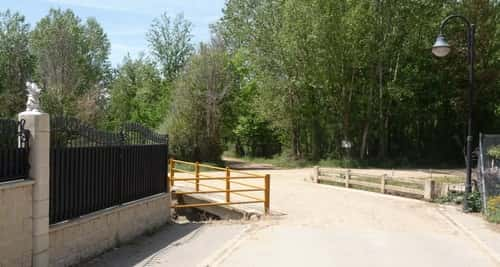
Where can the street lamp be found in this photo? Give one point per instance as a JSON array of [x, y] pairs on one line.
[[441, 48]]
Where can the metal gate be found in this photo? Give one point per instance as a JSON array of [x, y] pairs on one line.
[[14, 149], [91, 170]]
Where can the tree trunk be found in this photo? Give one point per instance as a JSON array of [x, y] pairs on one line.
[[362, 151], [382, 128]]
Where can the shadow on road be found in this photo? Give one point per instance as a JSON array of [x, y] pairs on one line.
[[140, 249]]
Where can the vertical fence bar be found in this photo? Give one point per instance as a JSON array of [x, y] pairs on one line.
[[197, 175], [228, 185], [267, 181]]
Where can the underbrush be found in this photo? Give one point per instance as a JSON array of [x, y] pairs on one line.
[[493, 214], [285, 161], [474, 200]]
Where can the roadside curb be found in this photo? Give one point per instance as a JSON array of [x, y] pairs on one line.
[[481, 244]]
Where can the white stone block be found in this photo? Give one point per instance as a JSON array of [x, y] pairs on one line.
[[40, 226], [40, 193], [40, 208], [40, 121], [41, 243], [41, 259]]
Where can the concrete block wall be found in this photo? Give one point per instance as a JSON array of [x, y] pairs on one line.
[[26, 239], [16, 223], [77, 240]]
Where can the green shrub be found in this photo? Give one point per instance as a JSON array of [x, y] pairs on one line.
[[494, 152], [493, 214], [474, 203]]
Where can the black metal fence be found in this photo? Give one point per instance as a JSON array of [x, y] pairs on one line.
[[14, 149], [91, 170]]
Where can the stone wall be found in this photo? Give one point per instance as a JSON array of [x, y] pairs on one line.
[[76, 240], [25, 236], [16, 223]]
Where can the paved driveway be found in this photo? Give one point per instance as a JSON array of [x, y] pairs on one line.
[[330, 226]]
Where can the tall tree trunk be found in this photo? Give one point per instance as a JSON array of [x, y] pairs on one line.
[[296, 141], [382, 128], [316, 139], [366, 128], [364, 140]]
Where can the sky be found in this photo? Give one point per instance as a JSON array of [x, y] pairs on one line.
[[126, 21]]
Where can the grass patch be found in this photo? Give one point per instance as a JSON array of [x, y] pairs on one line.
[[448, 179], [279, 161], [452, 197], [285, 161], [189, 167]]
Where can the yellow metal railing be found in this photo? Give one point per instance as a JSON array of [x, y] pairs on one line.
[[229, 177]]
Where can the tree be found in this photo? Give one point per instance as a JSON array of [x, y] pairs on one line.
[[196, 115], [16, 62], [361, 71], [72, 63], [170, 43], [137, 94]]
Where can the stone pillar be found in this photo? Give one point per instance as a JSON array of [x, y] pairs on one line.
[[39, 126], [429, 189]]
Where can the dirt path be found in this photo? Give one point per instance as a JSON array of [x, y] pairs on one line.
[[330, 226], [239, 164], [323, 226]]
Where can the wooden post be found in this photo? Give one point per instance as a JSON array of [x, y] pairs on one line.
[[429, 189], [267, 192], [382, 183], [315, 176], [197, 175], [172, 166], [347, 178], [228, 185]]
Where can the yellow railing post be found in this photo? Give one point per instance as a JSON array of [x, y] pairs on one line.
[[267, 180], [228, 185], [172, 166], [197, 174]]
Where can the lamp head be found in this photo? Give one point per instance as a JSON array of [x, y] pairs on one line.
[[441, 48]]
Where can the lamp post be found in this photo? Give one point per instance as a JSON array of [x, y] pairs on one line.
[[441, 48]]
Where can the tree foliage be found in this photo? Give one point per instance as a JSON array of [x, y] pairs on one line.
[[72, 63], [170, 42], [297, 77], [200, 95], [16, 62], [362, 71], [136, 94]]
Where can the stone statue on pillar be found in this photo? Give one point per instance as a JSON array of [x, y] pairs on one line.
[[33, 104]]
